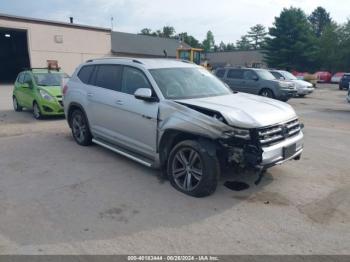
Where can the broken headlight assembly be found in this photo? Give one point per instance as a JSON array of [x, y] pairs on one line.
[[238, 133]]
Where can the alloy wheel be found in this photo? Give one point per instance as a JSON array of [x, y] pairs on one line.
[[187, 169], [79, 128]]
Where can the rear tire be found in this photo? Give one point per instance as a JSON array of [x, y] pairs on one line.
[[36, 111], [340, 88], [16, 106], [267, 93], [192, 170], [80, 128]]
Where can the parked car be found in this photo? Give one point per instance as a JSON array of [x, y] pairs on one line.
[[303, 88], [348, 97], [256, 81], [178, 117], [39, 90], [337, 77], [344, 82], [323, 77], [311, 78]]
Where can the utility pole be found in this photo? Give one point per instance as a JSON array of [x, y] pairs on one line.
[[112, 23]]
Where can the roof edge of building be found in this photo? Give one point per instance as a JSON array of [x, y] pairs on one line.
[[52, 22]]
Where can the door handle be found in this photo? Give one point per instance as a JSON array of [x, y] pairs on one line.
[[119, 102], [90, 94]]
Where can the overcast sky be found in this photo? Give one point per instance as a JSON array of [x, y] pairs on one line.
[[228, 19]]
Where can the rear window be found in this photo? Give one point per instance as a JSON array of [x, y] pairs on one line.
[[220, 73], [109, 77], [235, 74], [85, 74]]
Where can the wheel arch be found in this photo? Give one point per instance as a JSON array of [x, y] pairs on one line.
[[172, 137], [75, 106]]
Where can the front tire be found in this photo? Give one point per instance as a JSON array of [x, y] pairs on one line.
[[80, 128], [16, 106], [36, 111], [267, 93], [192, 170]]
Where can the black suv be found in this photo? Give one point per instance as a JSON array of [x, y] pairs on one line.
[[257, 81], [344, 82]]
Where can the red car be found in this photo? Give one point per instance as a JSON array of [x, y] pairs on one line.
[[323, 77]]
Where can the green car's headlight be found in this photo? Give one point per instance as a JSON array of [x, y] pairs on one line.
[[45, 95], [239, 133]]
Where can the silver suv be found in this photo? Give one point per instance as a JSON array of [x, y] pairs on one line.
[[257, 82], [178, 117]]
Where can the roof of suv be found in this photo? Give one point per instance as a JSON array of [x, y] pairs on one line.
[[148, 63]]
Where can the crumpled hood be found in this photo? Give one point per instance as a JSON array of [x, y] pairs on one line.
[[245, 110], [52, 90]]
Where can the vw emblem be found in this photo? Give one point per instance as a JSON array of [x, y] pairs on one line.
[[285, 131]]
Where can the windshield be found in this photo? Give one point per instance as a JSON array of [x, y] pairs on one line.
[[186, 83], [288, 76], [48, 79], [266, 75]]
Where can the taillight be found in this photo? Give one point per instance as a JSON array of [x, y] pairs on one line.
[[65, 89]]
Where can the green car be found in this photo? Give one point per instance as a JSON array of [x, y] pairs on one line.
[[39, 90]]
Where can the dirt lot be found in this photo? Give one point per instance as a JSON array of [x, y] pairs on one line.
[[57, 197]]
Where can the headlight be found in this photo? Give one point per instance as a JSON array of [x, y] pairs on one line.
[[45, 95], [239, 133], [286, 85]]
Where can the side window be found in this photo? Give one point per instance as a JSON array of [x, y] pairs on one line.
[[235, 74], [27, 78], [277, 75], [20, 78], [133, 79], [249, 75], [109, 77], [220, 73], [85, 74]]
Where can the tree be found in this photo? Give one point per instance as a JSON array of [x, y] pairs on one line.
[[146, 31], [168, 31], [257, 35], [190, 40], [230, 47], [209, 42], [319, 20], [291, 44], [243, 43]]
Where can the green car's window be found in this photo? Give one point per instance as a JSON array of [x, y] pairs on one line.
[[27, 78], [20, 78], [48, 79]]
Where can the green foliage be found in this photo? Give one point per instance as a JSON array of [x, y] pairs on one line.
[[291, 44], [319, 20], [244, 43], [209, 42], [256, 36], [190, 40]]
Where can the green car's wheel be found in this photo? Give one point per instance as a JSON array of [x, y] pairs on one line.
[[16, 106], [36, 111]]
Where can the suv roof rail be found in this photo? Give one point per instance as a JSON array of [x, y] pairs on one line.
[[115, 58]]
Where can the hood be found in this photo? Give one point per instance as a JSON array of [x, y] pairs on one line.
[[52, 90], [245, 110], [302, 83]]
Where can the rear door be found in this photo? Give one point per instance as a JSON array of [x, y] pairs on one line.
[[234, 79]]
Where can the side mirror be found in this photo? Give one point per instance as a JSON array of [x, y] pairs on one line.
[[144, 94]]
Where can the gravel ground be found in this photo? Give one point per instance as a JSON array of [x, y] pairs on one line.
[[59, 198]]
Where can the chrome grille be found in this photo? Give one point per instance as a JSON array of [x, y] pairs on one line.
[[274, 134]]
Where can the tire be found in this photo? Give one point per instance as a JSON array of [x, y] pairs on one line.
[[192, 170], [340, 88], [266, 92], [36, 111], [302, 96], [16, 106], [80, 128]]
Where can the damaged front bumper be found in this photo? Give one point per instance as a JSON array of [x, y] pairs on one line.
[[252, 154]]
